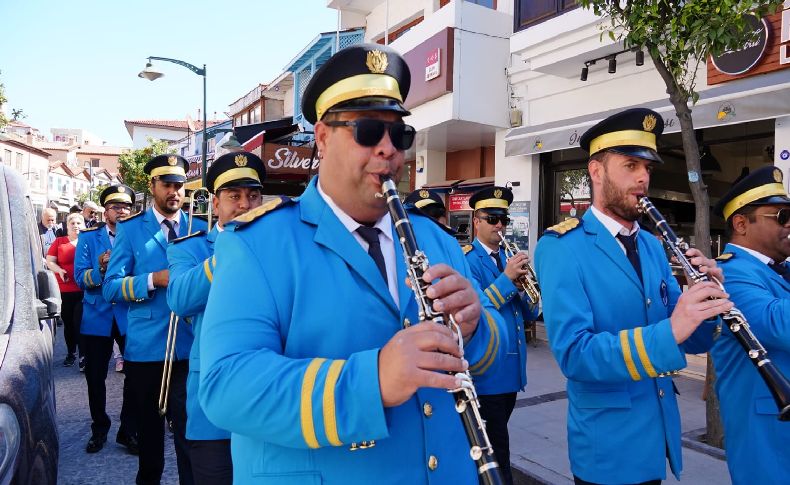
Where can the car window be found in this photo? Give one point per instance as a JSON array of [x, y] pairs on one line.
[[6, 258]]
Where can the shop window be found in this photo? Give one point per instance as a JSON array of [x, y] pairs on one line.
[[394, 34], [484, 3], [573, 191], [530, 12]]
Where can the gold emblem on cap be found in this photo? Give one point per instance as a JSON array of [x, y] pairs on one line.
[[241, 160], [425, 194], [172, 161], [377, 62], [649, 123], [778, 175], [121, 190], [498, 194]]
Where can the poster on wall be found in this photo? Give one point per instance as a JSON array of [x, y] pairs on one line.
[[518, 229]]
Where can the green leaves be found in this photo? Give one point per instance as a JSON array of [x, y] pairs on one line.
[[130, 164]]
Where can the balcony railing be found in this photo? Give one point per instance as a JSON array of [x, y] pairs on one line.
[[247, 100]]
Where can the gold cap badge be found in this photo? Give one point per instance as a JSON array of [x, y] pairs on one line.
[[241, 160], [649, 123], [172, 161], [778, 175], [498, 194], [121, 189], [377, 62], [424, 194]]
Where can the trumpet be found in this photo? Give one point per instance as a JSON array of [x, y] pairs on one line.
[[199, 196], [528, 283]]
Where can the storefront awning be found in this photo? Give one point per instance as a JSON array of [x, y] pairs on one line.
[[442, 186], [475, 183], [253, 136], [751, 99]]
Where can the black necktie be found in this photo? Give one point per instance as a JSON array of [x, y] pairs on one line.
[[629, 242], [171, 231], [371, 236], [781, 270], [495, 255], [112, 234]]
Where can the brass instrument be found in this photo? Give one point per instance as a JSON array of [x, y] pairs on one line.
[[199, 196], [528, 283]]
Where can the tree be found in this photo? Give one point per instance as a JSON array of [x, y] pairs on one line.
[[92, 194], [17, 113], [680, 35], [3, 100], [130, 164]]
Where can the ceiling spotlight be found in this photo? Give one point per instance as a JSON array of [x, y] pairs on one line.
[[640, 57], [585, 71], [612, 64]]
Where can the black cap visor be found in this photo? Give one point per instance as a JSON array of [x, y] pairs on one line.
[[171, 178], [240, 183], [772, 200], [638, 152], [371, 104]]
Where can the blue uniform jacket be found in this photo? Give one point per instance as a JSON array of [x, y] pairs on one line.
[[140, 249], [296, 316], [191, 271], [97, 313], [758, 445], [612, 338], [503, 294]]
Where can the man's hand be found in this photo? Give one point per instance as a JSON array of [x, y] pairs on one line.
[[104, 258], [694, 306], [161, 278], [704, 265], [514, 269], [454, 295], [418, 356]]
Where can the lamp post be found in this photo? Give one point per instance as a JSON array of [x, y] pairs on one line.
[[152, 75]]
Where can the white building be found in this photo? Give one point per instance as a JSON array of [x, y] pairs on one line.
[[165, 130], [33, 163]]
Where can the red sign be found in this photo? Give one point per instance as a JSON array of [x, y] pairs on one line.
[[288, 160], [459, 202], [432, 64]]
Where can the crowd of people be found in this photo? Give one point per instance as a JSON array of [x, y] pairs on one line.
[[301, 355]]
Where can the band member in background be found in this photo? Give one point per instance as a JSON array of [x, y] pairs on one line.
[[102, 322], [616, 320], [497, 276], [429, 204], [757, 211], [235, 180], [304, 356], [137, 274]]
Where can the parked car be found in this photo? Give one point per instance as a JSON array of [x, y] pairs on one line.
[[29, 303]]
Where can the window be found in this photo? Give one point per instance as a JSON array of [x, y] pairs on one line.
[[394, 34], [484, 3], [7, 157], [529, 12], [95, 162], [20, 163]]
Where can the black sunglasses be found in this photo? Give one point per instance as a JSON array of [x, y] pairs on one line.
[[368, 132], [782, 216], [493, 219]]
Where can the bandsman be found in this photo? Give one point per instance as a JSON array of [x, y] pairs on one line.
[[498, 276], [757, 211], [616, 320], [429, 203], [235, 180], [138, 275], [304, 354], [103, 322]]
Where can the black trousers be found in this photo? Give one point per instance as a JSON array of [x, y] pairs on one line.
[[211, 463], [579, 481], [97, 351], [496, 409], [145, 379], [71, 313]]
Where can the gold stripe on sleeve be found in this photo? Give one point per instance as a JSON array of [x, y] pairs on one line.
[[306, 406], [642, 351], [629, 361], [330, 414]]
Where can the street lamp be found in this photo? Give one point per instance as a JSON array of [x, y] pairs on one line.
[[152, 75]]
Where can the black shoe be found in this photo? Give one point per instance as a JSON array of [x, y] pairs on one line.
[[82, 364], [96, 443], [129, 441], [69, 360]]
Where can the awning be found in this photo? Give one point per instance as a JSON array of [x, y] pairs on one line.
[[252, 136], [475, 183], [442, 186], [751, 99]]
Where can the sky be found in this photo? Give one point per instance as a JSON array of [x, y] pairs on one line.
[[74, 64]]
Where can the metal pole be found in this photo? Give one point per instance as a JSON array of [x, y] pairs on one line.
[[205, 141]]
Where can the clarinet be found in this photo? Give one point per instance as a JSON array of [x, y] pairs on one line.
[[466, 403], [777, 383]]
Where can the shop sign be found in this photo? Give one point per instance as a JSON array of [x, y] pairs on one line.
[[459, 202], [432, 64], [286, 159], [741, 60]]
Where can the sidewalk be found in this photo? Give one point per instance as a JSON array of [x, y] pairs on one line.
[[538, 439]]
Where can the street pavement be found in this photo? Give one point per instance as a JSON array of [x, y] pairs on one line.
[[538, 439], [112, 465]]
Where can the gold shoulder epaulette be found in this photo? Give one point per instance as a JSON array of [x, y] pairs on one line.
[[564, 227], [467, 247], [129, 218], [184, 238], [255, 214], [725, 257], [89, 229]]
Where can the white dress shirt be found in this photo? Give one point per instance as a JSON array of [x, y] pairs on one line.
[[175, 220], [614, 227]]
